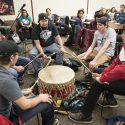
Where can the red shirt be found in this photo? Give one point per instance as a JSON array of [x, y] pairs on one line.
[[115, 71]]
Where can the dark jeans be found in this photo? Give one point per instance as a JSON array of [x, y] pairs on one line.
[[116, 87], [46, 110], [22, 61]]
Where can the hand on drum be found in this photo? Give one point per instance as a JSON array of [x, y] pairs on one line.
[[46, 98]]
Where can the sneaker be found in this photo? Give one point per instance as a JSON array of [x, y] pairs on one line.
[[56, 121], [108, 103], [80, 118]]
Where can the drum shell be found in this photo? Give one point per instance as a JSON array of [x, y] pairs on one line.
[[59, 90]]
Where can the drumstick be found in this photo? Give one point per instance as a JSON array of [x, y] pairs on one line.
[[33, 60], [81, 62], [50, 59], [74, 55], [34, 84]]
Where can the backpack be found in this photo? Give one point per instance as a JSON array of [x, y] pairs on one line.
[[4, 121], [73, 64], [116, 120]]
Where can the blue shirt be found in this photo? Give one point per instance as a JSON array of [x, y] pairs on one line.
[[25, 20], [120, 17]]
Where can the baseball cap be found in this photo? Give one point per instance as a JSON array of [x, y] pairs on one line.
[[103, 20], [42, 16], [8, 48]]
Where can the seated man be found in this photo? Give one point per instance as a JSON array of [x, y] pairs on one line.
[[104, 40], [44, 37], [11, 96], [50, 16], [112, 79]]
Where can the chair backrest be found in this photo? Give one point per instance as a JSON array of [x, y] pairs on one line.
[[5, 121], [84, 38]]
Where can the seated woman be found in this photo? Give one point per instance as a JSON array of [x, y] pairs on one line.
[[112, 13], [25, 25], [80, 18], [77, 27]]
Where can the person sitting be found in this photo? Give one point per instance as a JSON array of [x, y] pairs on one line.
[[50, 16], [79, 24], [62, 27], [44, 37], [112, 13], [104, 12], [12, 101], [119, 17], [80, 18], [18, 70], [112, 79], [25, 25], [93, 24], [103, 45]]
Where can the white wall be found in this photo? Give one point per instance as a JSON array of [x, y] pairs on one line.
[[104, 3], [62, 7]]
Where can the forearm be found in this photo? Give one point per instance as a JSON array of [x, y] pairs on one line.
[[59, 40], [30, 25], [38, 46], [21, 24], [28, 103]]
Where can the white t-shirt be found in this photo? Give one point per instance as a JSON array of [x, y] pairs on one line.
[[101, 38]]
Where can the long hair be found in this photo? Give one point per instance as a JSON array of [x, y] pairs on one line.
[[81, 10], [25, 11]]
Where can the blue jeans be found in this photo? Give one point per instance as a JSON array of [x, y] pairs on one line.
[[22, 61], [53, 48], [46, 110]]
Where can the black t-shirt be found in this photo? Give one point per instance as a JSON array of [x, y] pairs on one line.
[[46, 36]]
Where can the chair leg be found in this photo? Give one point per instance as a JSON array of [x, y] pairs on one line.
[[38, 119], [24, 46]]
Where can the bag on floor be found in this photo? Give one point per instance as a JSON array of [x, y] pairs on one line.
[[73, 64], [76, 101]]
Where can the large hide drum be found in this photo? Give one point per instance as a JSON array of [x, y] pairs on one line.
[[58, 81]]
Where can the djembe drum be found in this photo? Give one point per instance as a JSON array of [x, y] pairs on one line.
[[58, 81]]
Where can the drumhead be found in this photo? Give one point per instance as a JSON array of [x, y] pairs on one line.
[[56, 74]]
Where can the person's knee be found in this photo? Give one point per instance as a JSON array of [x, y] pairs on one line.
[[48, 108]]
